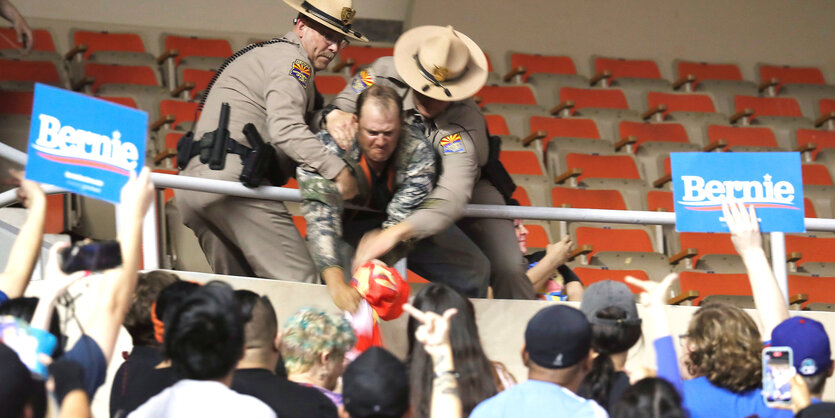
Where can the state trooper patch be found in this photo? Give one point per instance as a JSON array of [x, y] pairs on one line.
[[301, 71], [363, 80], [453, 144]]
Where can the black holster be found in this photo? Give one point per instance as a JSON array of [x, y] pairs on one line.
[[260, 160], [495, 172]]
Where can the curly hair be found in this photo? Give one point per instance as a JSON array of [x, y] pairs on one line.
[[311, 332], [725, 347]]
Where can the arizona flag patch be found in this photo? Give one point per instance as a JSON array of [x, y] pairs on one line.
[[453, 144], [363, 80], [300, 70]]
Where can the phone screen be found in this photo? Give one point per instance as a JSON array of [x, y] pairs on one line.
[[777, 373]]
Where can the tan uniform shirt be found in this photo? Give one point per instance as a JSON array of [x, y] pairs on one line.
[[271, 87], [459, 137]]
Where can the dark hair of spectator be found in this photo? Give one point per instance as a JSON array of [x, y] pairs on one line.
[[476, 382], [816, 381], [384, 96], [261, 324], [649, 398], [607, 340], [23, 308], [724, 345], [172, 296], [138, 318], [204, 336]]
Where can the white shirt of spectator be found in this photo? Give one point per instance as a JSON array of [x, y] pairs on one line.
[[202, 398]]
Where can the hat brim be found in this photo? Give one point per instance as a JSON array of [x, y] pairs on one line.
[[467, 85], [350, 33]]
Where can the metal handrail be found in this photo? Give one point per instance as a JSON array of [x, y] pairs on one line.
[[162, 180]]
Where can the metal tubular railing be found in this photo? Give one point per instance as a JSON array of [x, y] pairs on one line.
[[150, 246]]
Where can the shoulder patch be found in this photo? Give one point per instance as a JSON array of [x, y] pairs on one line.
[[363, 80], [453, 144], [300, 70]]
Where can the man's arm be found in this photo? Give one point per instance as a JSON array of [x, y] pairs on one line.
[[27, 245], [745, 233], [418, 174], [118, 285], [24, 32]]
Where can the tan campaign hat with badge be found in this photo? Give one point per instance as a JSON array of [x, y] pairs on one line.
[[335, 14], [440, 62]]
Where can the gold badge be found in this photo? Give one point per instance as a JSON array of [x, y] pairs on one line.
[[348, 15], [440, 73]]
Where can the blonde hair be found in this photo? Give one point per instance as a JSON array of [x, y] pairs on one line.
[[309, 333], [725, 347]]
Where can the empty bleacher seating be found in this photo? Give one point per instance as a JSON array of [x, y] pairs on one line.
[[354, 56]]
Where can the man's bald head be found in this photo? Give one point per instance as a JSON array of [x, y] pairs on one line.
[[261, 324]]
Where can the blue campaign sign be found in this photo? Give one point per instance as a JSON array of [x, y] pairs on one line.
[[771, 181], [84, 144]]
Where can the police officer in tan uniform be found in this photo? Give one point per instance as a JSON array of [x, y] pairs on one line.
[[437, 69], [271, 86]]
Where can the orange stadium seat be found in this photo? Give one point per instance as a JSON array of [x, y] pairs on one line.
[[691, 102], [816, 175], [708, 284], [593, 98], [706, 243], [42, 40], [587, 198], [660, 201], [119, 74], [652, 132], [821, 140], [521, 162], [817, 289], [612, 239], [179, 113], [826, 114], [627, 68], [521, 195], [809, 208], [496, 125], [200, 78], [563, 128], [707, 71], [741, 136], [768, 106], [124, 101], [521, 95], [590, 275], [542, 64], [29, 72], [602, 166], [791, 75], [810, 249], [329, 84], [537, 236], [826, 106], [16, 102], [55, 222], [359, 56], [107, 41], [192, 46]]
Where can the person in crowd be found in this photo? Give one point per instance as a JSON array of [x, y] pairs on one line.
[[375, 385], [395, 168], [21, 395], [611, 310], [436, 70], [810, 351], [479, 378], [313, 345], [255, 375], [270, 85], [204, 338], [543, 266], [803, 404], [145, 355], [27, 246], [21, 28], [722, 347], [650, 397], [558, 356]]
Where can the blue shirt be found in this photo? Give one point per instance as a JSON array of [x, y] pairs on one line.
[[535, 398], [703, 399], [3, 297]]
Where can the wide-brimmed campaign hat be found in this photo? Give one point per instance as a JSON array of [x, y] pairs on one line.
[[440, 62], [335, 14]]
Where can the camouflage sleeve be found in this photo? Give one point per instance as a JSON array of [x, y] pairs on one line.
[[416, 168]]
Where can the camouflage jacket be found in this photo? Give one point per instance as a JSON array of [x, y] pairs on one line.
[[413, 173]]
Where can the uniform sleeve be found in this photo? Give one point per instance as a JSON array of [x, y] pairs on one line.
[[419, 176], [322, 208], [445, 204], [286, 102]]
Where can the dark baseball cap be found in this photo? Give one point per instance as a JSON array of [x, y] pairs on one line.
[[375, 385], [558, 336], [809, 343], [605, 294]]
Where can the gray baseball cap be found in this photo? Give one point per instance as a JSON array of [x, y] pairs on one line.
[[608, 293]]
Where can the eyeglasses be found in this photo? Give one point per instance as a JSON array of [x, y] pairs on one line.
[[332, 37], [682, 339]]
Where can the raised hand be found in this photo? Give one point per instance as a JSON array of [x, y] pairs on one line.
[[654, 294], [433, 331], [744, 226]]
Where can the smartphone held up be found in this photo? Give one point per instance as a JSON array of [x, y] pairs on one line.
[[92, 256]]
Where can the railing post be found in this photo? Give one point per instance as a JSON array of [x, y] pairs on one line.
[[778, 261], [150, 237]]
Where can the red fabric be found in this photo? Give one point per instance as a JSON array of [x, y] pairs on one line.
[[383, 288]]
